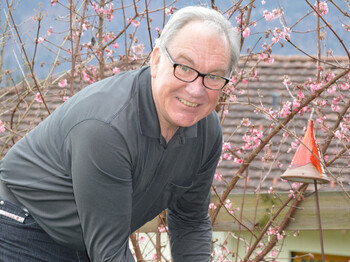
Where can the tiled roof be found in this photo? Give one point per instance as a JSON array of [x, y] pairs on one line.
[[268, 90], [18, 103]]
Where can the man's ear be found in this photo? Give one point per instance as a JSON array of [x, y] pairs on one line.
[[155, 59]]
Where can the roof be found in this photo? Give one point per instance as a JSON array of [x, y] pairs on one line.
[[21, 112], [267, 90]]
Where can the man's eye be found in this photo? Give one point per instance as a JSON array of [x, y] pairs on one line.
[[184, 69], [213, 77]]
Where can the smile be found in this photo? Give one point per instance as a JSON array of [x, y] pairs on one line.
[[187, 103]]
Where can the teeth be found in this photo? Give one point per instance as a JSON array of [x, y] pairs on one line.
[[187, 103]]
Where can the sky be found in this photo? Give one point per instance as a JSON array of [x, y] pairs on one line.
[[303, 33]]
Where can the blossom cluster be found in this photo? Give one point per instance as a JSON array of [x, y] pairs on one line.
[[107, 11]]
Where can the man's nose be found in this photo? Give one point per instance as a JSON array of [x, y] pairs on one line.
[[196, 88]]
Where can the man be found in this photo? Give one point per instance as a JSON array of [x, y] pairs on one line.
[[122, 150]]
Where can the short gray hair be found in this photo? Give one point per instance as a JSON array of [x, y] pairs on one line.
[[210, 17]]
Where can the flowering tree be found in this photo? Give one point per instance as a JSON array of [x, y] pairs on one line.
[[88, 41]]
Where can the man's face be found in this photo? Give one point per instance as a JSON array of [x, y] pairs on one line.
[[181, 104]]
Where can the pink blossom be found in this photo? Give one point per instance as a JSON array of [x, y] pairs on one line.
[[228, 204], [212, 206], [239, 19], [296, 104], [135, 23], [49, 32], [300, 95], [270, 60], [158, 29], [85, 26], [322, 8], [169, 11], [319, 121], [109, 12], [315, 86], [138, 49], [106, 38], [335, 100], [295, 144], [53, 2], [116, 70], [335, 108], [291, 193], [273, 253], [38, 98], [245, 122], [227, 156], [262, 56], [115, 45], [108, 52], [345, 86], [99, 10], [271, 190], [268, 16], [285, 111], [40, 40], [2, 127], [162, 228], [62, 83], [263, 2], [332, 89], [275, 39], [295, 185], [246, 32], [338, 134], [226, 146], [218, 176], [142, 238], [65, 98], [94, 6], [238, 160]]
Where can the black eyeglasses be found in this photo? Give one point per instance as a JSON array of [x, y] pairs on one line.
[[189, 74]]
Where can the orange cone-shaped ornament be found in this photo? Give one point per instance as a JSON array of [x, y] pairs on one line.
[[305, 166]]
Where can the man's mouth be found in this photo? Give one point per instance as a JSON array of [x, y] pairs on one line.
[[187, 103]]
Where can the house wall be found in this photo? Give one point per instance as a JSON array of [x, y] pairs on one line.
[[336, 242]]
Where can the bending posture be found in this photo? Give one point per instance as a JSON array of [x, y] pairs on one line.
[[120, 151]]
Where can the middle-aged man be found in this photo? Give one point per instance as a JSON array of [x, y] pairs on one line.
[[122, 150]]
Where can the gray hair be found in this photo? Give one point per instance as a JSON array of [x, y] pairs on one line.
[[211, 18]]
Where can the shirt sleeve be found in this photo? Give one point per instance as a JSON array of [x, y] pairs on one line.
[[188, 219], [102, 186]]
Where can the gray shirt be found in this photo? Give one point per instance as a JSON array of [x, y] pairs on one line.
[[98, 168]]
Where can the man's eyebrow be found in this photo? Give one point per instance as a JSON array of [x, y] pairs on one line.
[[187, 58], [217, 71]]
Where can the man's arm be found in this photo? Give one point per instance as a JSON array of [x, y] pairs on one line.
[[102, 183], [188, 219]]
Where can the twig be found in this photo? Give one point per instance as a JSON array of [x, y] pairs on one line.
[[136, 246], [330, 28], [27, 59], [280, 125], [281, 227], [148, 26]]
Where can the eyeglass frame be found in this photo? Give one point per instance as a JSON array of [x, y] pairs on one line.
[[198, 73]]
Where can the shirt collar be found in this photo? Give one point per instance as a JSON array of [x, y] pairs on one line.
[[148, 117]]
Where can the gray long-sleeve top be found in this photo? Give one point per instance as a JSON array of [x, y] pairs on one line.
[[98, 168]]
